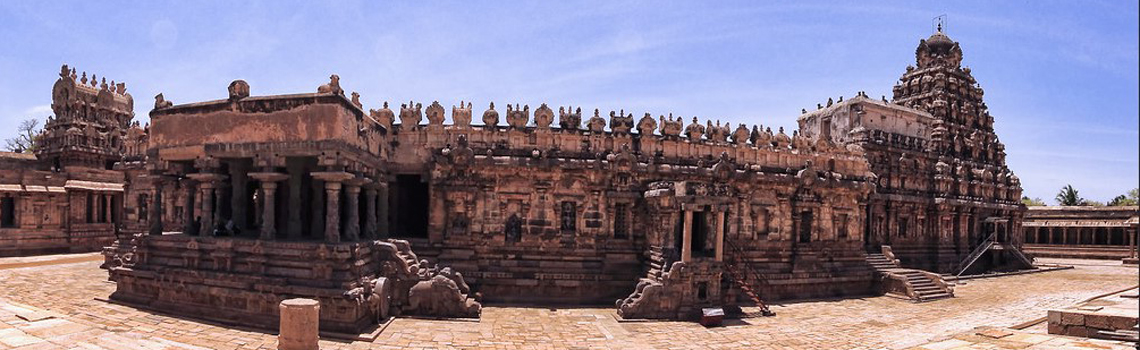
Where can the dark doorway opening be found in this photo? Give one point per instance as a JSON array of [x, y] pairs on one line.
[[7, 212], [700, 234], [806, 219], [408, 210]]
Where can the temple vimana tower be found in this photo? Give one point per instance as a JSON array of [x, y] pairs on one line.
[[221, 209]]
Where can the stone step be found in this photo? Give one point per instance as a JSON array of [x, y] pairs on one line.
[[929, 297], [927, 289]]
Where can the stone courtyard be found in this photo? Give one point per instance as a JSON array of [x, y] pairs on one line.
[[56, 302]]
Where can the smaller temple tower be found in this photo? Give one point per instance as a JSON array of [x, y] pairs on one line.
[[90, 122]]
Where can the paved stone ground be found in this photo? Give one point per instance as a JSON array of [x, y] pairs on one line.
[[53, 306]]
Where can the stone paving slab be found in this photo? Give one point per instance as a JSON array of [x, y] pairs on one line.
[[69, 291]]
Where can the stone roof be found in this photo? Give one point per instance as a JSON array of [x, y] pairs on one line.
[[18, 156]]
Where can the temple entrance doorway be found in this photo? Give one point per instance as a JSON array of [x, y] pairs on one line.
[[408, 207], [806, 220], [700, 227]]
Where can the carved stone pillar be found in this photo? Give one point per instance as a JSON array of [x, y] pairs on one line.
[[294, 224], [720, 214], [687, 237], [269, 197], [188, 208], [370, 213], [317, 209], [206, 216], [332, 202], [436, 215], [382, 225], [238, 194], [352, 192], [156, 208], [207, 194]]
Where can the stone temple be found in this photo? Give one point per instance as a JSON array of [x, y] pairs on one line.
[[221, 209]]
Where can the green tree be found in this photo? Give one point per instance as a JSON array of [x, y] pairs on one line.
[[1130, 198], [1069, 196], [1032, 202], [27, 133]]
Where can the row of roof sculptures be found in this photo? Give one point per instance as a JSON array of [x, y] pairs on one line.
[[118, 88], [570, 119]]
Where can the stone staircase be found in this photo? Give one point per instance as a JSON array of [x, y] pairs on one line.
[[917, 285]]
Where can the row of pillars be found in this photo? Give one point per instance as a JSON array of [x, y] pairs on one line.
[[1129, 235], [687, 236], [210, 196]]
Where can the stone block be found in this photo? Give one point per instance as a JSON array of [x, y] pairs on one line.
[[1056, 328], [1097, 321], [1072, 319], [1054, 317], [1122, 322]]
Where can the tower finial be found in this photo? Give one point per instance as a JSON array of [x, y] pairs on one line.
[[939, 21]]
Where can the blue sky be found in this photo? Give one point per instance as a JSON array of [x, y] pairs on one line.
[[1060, 77]]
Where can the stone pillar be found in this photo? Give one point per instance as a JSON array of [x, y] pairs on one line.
[[720, 214], [207, 190], [269, 198], [156, 208], [436, 215], [332, 211], [382, 208], [294, 224], [300, 324], [238, 195], [332, 202], [1132, 240], [370, 213], [317, 209], [109, 212], [352, 191], [687, 237], [188, 208]]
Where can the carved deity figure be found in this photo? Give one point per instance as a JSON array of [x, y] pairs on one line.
[[435, 114], [410, 115], [461, 115], [620, 124], [517, 118], [596, 124], [646, 125], [543, 116], [694, 130], [491, 117], [671, 128], [568, 119], [384, 116], [741, 135]]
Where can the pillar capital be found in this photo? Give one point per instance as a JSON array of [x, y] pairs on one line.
[[269, 176], [333, 176], [207, 179], [358, 182]]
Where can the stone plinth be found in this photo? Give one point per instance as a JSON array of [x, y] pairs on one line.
[[243, 280], [1097, 318], [300, 324]]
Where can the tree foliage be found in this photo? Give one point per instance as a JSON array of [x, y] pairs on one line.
[[1032, 202], [1069, 196], [27, 135], [1130, 198]]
